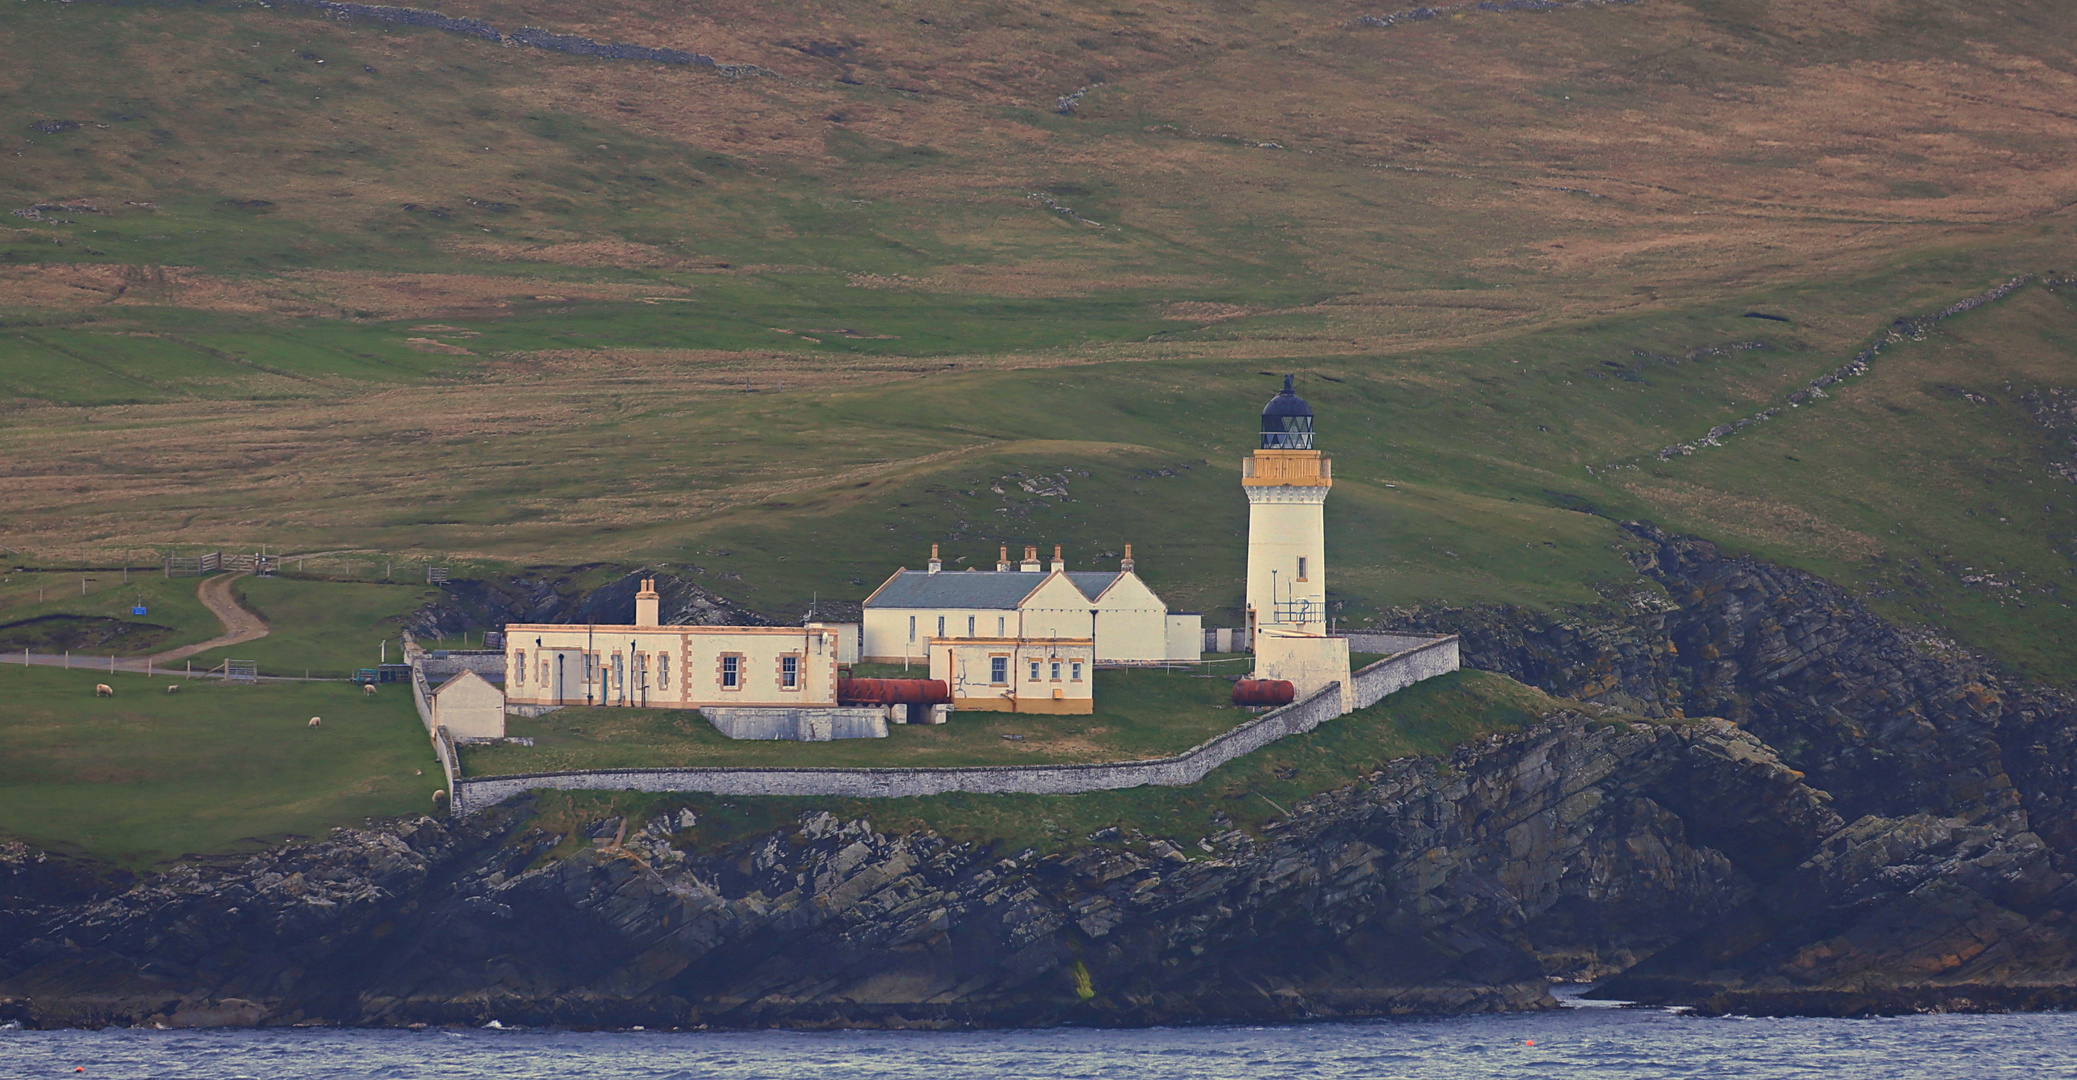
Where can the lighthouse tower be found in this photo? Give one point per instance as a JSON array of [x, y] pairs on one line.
[[1286, 483]]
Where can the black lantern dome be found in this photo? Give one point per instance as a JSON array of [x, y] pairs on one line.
[[1287, 421]]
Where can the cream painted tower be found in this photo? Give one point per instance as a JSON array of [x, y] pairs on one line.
[[1286, 482]]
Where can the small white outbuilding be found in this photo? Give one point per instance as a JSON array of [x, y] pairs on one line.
[[469, 707]]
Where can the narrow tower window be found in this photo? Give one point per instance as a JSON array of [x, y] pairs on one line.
[[1301, 568]]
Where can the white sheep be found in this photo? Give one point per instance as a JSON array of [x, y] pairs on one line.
[[173, 688], [103, 690], [367, 690], [314, 721]]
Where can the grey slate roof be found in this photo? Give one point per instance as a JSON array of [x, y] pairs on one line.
[[979, 588], [956, 589], [1092, 582]]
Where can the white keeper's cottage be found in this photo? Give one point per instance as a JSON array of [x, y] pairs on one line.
[[1125, 620]]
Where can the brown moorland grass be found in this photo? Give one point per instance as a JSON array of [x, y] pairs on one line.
[[1451, 229]]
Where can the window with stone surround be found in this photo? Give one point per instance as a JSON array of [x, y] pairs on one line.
[[790, 671], [731, 671]]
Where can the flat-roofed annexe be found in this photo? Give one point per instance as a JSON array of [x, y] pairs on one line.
[[1021, 675]]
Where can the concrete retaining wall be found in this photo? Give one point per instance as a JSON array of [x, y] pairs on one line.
[[422, 696], [1435, 657], [443, 744], [798, 725], [1384, 642], [450, 767]]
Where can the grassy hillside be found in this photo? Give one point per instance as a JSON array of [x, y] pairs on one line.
[[1428, 718], [146, 775], [1139, 714], [317, 284]]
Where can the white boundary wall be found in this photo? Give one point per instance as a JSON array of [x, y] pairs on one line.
[[443, 745], [1437, 656]]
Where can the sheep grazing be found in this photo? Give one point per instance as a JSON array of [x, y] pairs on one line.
[[103, 690], [173, 688], [314, 721], [367, 690], [439, 796]]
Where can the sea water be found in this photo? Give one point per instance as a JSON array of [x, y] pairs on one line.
[[1603, 1043]]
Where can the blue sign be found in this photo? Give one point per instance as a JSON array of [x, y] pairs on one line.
[[138, 610]]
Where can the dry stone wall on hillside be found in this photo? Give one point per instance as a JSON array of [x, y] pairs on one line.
[[532, 36], [1423, 14], [1909, 328]]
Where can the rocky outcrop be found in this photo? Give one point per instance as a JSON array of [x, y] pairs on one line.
[[1952, 880], [1879, 822], [1433, 886], [558, 598]]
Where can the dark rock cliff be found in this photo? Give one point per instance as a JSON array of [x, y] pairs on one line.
[[1951, 886], [1433, 886], [1880, 822]]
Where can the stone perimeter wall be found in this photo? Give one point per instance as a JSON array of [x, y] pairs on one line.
[[422, 698], [1437, 656]]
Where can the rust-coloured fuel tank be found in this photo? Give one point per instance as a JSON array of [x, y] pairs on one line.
[[893, 692], [1264, 692]]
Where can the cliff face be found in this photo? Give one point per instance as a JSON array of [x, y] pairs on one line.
[[1950, 887], [1434, 886], [1880, 823]]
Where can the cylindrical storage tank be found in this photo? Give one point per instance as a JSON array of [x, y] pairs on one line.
[[1264, 692], [893, 692]]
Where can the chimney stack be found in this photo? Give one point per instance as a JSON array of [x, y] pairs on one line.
[[1059, 564], [1125, 564], [936, 564], [1030, 565], [645, 603], [1002, 560]]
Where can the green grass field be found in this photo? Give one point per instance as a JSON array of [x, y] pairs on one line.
[[148, 776], [1139, 714], [327, 628], [1428, 718], [49, 612]]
